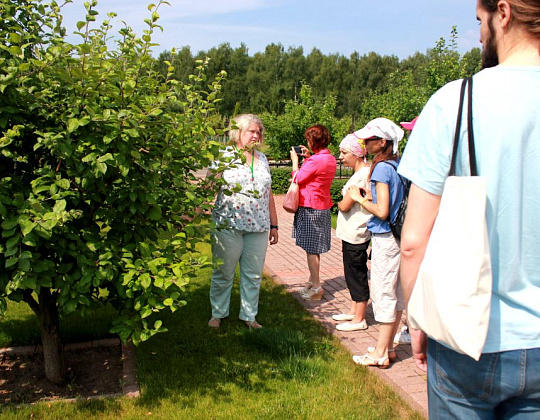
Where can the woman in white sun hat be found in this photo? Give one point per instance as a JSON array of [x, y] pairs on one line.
[[380, 137]]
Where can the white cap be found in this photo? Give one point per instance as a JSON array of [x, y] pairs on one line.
[[383, 128]]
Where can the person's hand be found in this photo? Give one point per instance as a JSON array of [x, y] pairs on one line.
[[419, 348], [305, 151], [294, 157], [368, 194], [354, 193], [273, 236]]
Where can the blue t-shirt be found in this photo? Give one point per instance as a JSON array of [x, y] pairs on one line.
[[384, 172], [506, 120]]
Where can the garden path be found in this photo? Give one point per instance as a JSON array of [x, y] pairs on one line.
[[286, 264]]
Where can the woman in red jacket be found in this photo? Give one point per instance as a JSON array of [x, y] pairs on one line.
[[312, 222]]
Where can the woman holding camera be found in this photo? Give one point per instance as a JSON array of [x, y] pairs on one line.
[[381, 137], [312, 222]]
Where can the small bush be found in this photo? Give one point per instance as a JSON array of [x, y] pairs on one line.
[[335, 192], [280, 179]]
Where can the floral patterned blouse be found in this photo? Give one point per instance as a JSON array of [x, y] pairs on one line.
[[244, 210]]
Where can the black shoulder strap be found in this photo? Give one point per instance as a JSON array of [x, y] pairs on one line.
[[470, 134], [402, 180], [472, 153], [388, 162]]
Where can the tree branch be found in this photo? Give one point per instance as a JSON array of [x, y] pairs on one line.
[[29, 299]]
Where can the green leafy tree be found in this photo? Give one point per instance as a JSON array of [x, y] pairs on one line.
[[408, 89], [403, 101], [472, 61], [445, 63], [287, 130], [98, 193], [183, 62], [235, 63]]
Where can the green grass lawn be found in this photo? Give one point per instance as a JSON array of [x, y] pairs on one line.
[[291, 369]]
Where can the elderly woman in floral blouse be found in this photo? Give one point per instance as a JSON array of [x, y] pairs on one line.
[[245, 222]]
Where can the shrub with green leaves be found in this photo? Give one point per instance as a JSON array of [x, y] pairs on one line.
[[281, 179], [287, 130], [98, 154], [335, 192]]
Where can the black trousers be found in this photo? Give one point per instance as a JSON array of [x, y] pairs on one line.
[[355, 267]]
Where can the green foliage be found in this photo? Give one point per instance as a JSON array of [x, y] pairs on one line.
[[335, 192], [287, 130], [409, 88], [98, 151], [472, 61], [281, 179], [445, 64], [402, 102], [266, 81]]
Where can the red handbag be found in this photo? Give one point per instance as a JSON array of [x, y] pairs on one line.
[[292, 198]]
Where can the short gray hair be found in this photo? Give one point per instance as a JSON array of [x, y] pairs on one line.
[[242, 122]]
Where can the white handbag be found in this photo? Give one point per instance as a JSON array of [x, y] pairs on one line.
[[451, 299]]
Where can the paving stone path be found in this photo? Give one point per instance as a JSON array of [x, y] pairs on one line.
[[286, 264]]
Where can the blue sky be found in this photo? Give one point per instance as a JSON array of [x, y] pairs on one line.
[[339, 26]]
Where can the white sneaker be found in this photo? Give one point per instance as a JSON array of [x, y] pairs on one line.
[[347, 326], [403, 337], [343, 317]]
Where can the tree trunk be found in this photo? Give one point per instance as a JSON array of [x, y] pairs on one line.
[[49, 324]]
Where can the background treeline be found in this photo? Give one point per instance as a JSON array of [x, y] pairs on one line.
[[291, 90], [264, 81]]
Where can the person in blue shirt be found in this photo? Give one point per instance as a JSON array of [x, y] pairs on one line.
[[505, 381], [382, 200]]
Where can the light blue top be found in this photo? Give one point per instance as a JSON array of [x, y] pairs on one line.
[[506, 113], [384, 173]]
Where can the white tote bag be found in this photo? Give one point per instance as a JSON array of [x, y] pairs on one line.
[[451, 299]]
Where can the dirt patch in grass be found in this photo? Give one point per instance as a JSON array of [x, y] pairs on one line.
[[91, 372]]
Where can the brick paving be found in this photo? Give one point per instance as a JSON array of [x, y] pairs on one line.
[[286, 264]]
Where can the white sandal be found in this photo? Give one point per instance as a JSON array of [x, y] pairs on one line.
[[307, 287], [315, 293], [391, 353], [368, 360]]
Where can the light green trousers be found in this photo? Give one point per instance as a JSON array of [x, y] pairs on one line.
[[229, 248]]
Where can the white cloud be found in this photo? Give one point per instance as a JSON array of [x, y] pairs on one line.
[[129, 9], [186, 8], [341, 26], [469, 40]]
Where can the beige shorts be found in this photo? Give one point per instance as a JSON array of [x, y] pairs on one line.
[[386, 295]]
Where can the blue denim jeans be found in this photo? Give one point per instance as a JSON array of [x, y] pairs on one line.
[[231, 247], [503, 385]]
